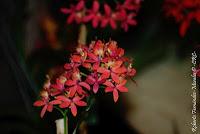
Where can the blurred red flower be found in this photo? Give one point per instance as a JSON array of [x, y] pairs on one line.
[[184, 12], [122, 13]]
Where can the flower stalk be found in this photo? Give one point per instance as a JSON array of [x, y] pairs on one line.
[[65, 124], [82, 34]]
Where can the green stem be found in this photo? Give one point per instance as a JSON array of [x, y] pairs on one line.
[[65, 124], [83, 74], [64, 113]]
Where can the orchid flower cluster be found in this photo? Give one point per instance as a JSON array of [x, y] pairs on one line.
[[184, 12], [101, 66], [102, 15]]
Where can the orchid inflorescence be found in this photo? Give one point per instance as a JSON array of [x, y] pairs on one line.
[[101, 66], [100, 13], [184, 12]]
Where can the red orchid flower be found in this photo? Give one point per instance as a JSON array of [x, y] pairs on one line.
[[71, 103], [108, 68], [82, 56], [96, 81], [76, 85], [114, 70], [98, 48], [93, 14], [95, 60], [59, 86], [115, 88], [131, 71], [84, 12], [72, 66], [75, 12], [128, 20], [109, 17], [80, 60], [114, 51], [132, 4], [95, 56], [184, 11], [75, 62], [47, 105], [60, 82]]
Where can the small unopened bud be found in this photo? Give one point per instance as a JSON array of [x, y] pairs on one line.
[[44, 94]]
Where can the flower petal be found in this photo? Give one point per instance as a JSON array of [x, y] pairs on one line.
[[132, 22], [63, 98], [67, 66], [50, 108], [64, 104], [84, 84], [76, 58], [122, 82], [107, 9], [39, 103], [119, 70], [44, 109], [104, 71], [115, 95], [118, 63], [70, 18], [55, 102], [113, 24], [95, 66], [183, 27], [80, 90], [86, 65], [95, 88], [109, 89], [115, 77], [122, 89], [70, 82], [87, 18], [90, 80], [131, 72], [95, 6], [72, 91], [104, 22], [108, 83], [120, 52], [80, 5], [95, 22], [73, 109], [65, 10], [92, 56], [79, 102]]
